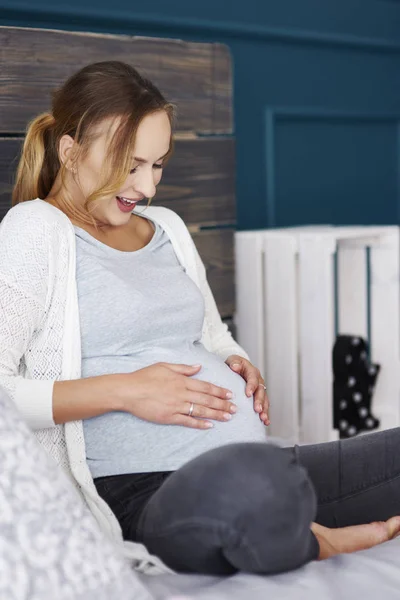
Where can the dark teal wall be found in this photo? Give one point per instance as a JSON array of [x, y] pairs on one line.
[[317, 95]]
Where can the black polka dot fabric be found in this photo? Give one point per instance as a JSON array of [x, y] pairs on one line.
[[353, 386]]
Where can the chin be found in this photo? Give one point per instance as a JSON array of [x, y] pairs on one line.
[[117, 220], [113, 217]]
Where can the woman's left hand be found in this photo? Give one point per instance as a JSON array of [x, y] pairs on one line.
[[254, 384]]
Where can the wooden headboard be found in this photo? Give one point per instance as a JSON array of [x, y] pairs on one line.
[[199, 180]]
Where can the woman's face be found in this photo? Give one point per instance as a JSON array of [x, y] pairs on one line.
[[151, 145]]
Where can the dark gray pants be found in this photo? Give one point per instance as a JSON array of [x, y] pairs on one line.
[[249, 506]]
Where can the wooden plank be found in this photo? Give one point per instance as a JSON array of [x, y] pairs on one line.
[[385, 326], [9, 157], [352, 291], [194, 76], [316, 320], [198, 182], [222, 78], [215, 247]]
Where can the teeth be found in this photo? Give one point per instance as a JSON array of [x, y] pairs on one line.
[[126, 201]]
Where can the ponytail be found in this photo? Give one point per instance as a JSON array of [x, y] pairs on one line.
[[39, 163]]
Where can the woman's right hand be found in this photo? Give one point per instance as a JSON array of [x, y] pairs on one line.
[[164, 392]]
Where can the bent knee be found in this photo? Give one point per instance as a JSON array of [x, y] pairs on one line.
[[240, 479]]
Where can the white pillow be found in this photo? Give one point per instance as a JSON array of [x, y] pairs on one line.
[[50, 545]]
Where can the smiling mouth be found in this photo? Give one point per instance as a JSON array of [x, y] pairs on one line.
[[127, 201]]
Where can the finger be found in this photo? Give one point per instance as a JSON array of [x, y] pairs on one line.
[[203, 412], [197, 385], [266, 406], [210, 402], [264, 415], [265, 419], [236, 365], [182, 369], [259, 398], [192, 423], [252, 377]]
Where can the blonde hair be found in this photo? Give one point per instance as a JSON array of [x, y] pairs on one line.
[[99, 91]]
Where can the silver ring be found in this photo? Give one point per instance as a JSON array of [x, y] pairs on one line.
[[191, 409], [262, 385]]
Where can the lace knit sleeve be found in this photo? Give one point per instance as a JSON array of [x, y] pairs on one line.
[[24, 269], [222, 341]]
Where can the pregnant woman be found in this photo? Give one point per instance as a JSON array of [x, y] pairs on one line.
[[112, 348]]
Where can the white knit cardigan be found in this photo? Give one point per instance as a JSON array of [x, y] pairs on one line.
[[40, 335]]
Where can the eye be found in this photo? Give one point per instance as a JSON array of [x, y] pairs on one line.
[[133, 170], [156, 166]]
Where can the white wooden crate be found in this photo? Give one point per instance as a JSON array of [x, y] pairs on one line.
[[285, 319]]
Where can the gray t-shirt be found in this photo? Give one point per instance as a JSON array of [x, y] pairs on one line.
[[136, 309]]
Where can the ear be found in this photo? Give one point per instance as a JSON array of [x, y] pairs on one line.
[[65, 151]]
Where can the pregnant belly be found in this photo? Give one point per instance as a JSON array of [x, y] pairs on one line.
[[118, 443]]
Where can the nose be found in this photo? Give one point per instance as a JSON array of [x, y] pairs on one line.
[[144, 182]]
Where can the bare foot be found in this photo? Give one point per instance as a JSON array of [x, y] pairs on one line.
[[351, 539]]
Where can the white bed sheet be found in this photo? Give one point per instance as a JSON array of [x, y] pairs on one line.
[[368, 575]]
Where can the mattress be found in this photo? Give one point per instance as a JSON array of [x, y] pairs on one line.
[[372, 574]]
